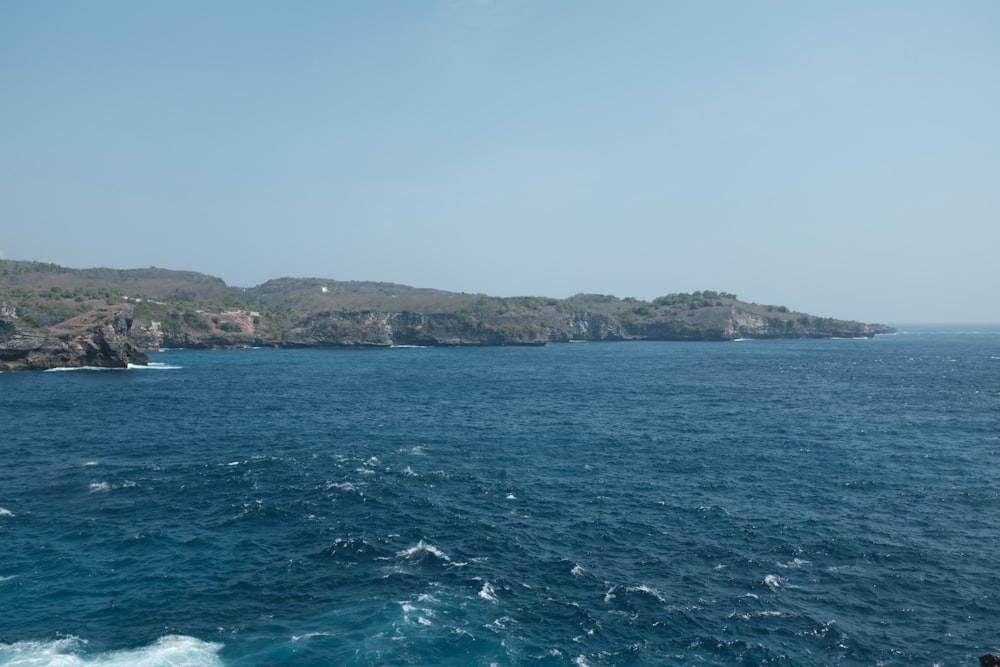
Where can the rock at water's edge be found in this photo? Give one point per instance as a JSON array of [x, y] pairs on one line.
[[100, 338]]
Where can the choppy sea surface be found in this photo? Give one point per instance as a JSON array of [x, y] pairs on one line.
[[816, 502]]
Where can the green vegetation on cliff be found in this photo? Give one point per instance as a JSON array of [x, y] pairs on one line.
[[186, 309]]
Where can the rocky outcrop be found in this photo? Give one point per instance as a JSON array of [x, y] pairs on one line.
[[583, 326], [372, 328], [731, 323], [100, 338], [377, 329]]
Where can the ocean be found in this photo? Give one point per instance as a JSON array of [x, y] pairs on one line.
[[784, 502]]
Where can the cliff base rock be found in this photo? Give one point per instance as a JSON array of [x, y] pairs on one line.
[[100, 338]]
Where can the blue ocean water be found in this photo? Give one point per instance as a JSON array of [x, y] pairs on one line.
[[826, 502]]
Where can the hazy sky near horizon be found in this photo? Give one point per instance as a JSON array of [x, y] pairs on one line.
[[840, 158]]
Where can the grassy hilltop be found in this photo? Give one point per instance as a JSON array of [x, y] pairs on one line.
[[187, 309]]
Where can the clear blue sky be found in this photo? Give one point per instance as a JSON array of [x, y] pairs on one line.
[[841, 157]]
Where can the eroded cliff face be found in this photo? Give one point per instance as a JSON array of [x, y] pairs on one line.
[[588, 326], [384, 329], [101, 338], [405, 328], [725, 323]]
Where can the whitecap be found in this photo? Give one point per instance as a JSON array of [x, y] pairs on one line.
[[174, 650], [487, 593], [501, 623], [773, 581], [5, 512], [755, 614], [577, 571], [423, 547], [343, 486], [154, 366], [408, 471], [423, 614], [310, 635], [510, 496], [99, 487], [647, 590]]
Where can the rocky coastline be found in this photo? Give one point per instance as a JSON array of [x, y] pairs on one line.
[[100, 339], [380, 329], [53, 317]]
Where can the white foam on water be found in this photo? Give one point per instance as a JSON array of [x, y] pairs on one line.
[[172, 650], [310, 635], [408, 471], [501, 623], [424, 547], [154, 365], [487, 593], [99, 487], [422, 614], [343, 486], [4, 512], [794, 563], [755, 614], [61, 369], [773, 581], [90, 464], [577, 571], [510, 496], [647, 590]]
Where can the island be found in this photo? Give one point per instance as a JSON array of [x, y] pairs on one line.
[[52, 316]]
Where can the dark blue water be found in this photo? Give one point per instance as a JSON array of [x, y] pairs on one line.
[[781, 502]]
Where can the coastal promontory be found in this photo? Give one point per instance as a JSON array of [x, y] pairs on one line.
[[52, 316]]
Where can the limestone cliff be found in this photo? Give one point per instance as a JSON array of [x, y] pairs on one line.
[[71, 317], [99, 338]]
